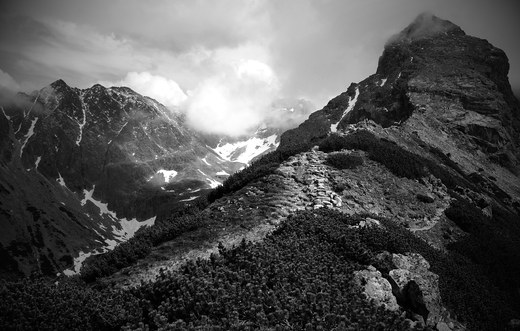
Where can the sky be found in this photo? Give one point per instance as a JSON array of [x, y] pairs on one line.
[[224, 62]]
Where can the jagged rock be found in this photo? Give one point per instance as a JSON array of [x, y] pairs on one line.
[[376, 288], [419, 286]]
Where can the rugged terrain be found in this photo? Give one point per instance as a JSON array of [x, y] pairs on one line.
[[82, 170], [440, 102], [396, 206]]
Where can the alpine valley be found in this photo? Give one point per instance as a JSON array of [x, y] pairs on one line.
[[395, 207]]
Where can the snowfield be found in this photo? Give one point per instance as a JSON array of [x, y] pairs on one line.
[[245, 151]]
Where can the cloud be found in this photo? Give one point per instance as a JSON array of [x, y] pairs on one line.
[[164, 90], [424, 25], [316, 48], [235, 101], [7, 82]]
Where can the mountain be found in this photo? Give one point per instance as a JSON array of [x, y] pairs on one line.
[[284, 114], [395, 207], [82, 170], [418, 164], [435, 89]]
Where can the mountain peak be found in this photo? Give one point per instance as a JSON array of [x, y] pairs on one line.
[[426, 25], [58, 84]]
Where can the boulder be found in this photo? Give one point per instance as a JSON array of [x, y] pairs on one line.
[[418, 287], [376, 288]]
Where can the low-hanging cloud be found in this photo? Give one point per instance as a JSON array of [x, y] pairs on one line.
[[164, 90], [235, 101], [425, 25], [7, 82]]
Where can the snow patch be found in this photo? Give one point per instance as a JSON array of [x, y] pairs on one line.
[[129, 228], [222, 173], [204, 160], [28, 135], [8, 117], [123, 229], [103, 207], [398, 76], [37, 163], [383, 82], [78, 262], [189, 199], [245, 151], [351, 105], [61, 181], [168, 175], [82, 124], [212, 183]]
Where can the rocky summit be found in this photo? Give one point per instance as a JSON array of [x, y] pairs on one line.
[[395, 207]]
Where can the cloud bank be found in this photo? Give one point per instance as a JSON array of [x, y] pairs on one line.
[[313, 48], [7, 82], [235, 101], [164, 90]]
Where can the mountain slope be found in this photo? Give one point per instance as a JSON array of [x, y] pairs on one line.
[[387, 209], [435, 88], [84, 169], [395, 151]]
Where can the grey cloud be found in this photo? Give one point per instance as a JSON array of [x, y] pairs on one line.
[[316, 48]]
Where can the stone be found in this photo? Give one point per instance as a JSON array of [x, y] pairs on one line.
[[372, 222], [376, 288], [418, 286], [442, 326]]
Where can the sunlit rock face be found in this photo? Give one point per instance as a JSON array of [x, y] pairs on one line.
[[84, 169]]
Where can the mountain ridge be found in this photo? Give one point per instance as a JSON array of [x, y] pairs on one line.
[[396, 206], [108, 158], [409, 167]]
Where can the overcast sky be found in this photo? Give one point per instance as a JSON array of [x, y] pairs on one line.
[[224, 60]]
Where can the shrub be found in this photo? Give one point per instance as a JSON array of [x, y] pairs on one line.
[[344, 161]]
